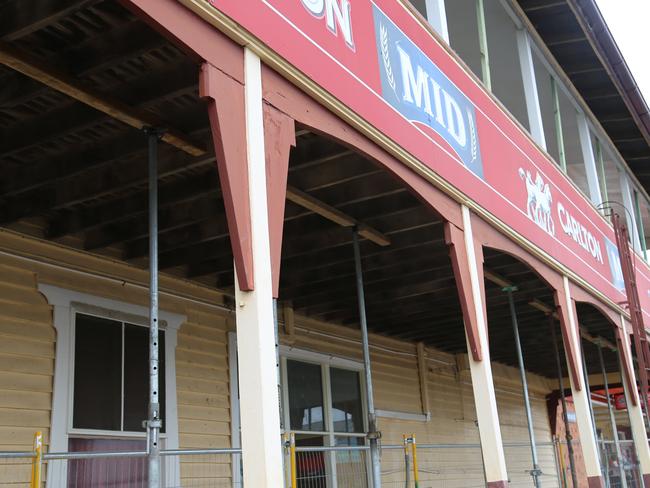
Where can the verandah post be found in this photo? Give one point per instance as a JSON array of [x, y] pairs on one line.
[[259, 398], [632, 400], [467, 263], [579, 390]]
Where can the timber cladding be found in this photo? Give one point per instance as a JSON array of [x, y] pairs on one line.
[[27, 340], [27, 353], [27, 349], [451, 405]]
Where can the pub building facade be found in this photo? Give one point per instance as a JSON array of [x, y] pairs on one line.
[[266, 239]]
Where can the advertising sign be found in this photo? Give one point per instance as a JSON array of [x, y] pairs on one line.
[[381, 62]]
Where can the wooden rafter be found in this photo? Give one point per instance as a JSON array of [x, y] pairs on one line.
[[330, 213], [28, 66], [22, 17]]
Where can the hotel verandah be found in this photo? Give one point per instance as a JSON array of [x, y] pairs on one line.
[[82, 83]]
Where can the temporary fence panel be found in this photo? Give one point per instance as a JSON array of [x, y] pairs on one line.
[[16, 468], [205, 468], [450, 465], [628, 459], [326, 467], [439, 465], [200, 468], [519, 464]]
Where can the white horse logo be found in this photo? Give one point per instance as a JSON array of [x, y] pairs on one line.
[[539, 201]]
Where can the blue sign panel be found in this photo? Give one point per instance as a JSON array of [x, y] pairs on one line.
[[417, 89], [615, 264]]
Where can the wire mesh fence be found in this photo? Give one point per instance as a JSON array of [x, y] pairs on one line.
[[325, 467], [192, 468], [519, 464], [15, 468], [408, 465], [447, 465], [616, 468]]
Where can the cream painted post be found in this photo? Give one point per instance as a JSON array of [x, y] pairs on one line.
[[437, 17], [258, 392], [581, 399], [482, 382], [635, 413], [530, 88], [589, 160], [628, 202]]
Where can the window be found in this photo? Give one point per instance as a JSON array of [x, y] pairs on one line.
[[324, 406], [101, 385], [111, 375], [323, 402]]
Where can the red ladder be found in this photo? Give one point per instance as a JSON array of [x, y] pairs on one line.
[[629, 278]]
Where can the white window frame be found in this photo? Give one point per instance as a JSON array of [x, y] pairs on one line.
[[66, 303], [287, 352], [325, 362]]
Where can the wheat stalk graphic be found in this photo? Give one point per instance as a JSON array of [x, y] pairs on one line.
[[383, 33]]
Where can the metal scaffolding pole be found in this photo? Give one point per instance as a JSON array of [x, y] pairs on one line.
[[565, 415], [585, 375], [535, 472], [154, 422], [612, 419], [373, 434]]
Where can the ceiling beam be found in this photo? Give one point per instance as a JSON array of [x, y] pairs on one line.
[[110, 181], [90, 57], [20, 18], [87, 157], [334, 215], [131, 209], [27, 65], [208, 230], [173, 217]]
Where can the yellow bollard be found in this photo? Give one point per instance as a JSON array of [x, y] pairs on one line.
[[416, 477], [292, 462], [37, 462]]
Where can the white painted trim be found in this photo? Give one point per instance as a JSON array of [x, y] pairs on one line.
[[589, 160], [320, 358], [235, 434], [393, 414], [528, 77], [630, 217], [65, 303], [437, 17], [325, 362]]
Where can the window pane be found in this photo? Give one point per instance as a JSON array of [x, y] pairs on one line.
[[547, 106], [346, 401], [136, 376], [463, 32], [97, 373], [305, 396], [505, 70], [108, 472]]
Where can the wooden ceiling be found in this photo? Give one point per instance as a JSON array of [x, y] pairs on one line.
[[74, 175]]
